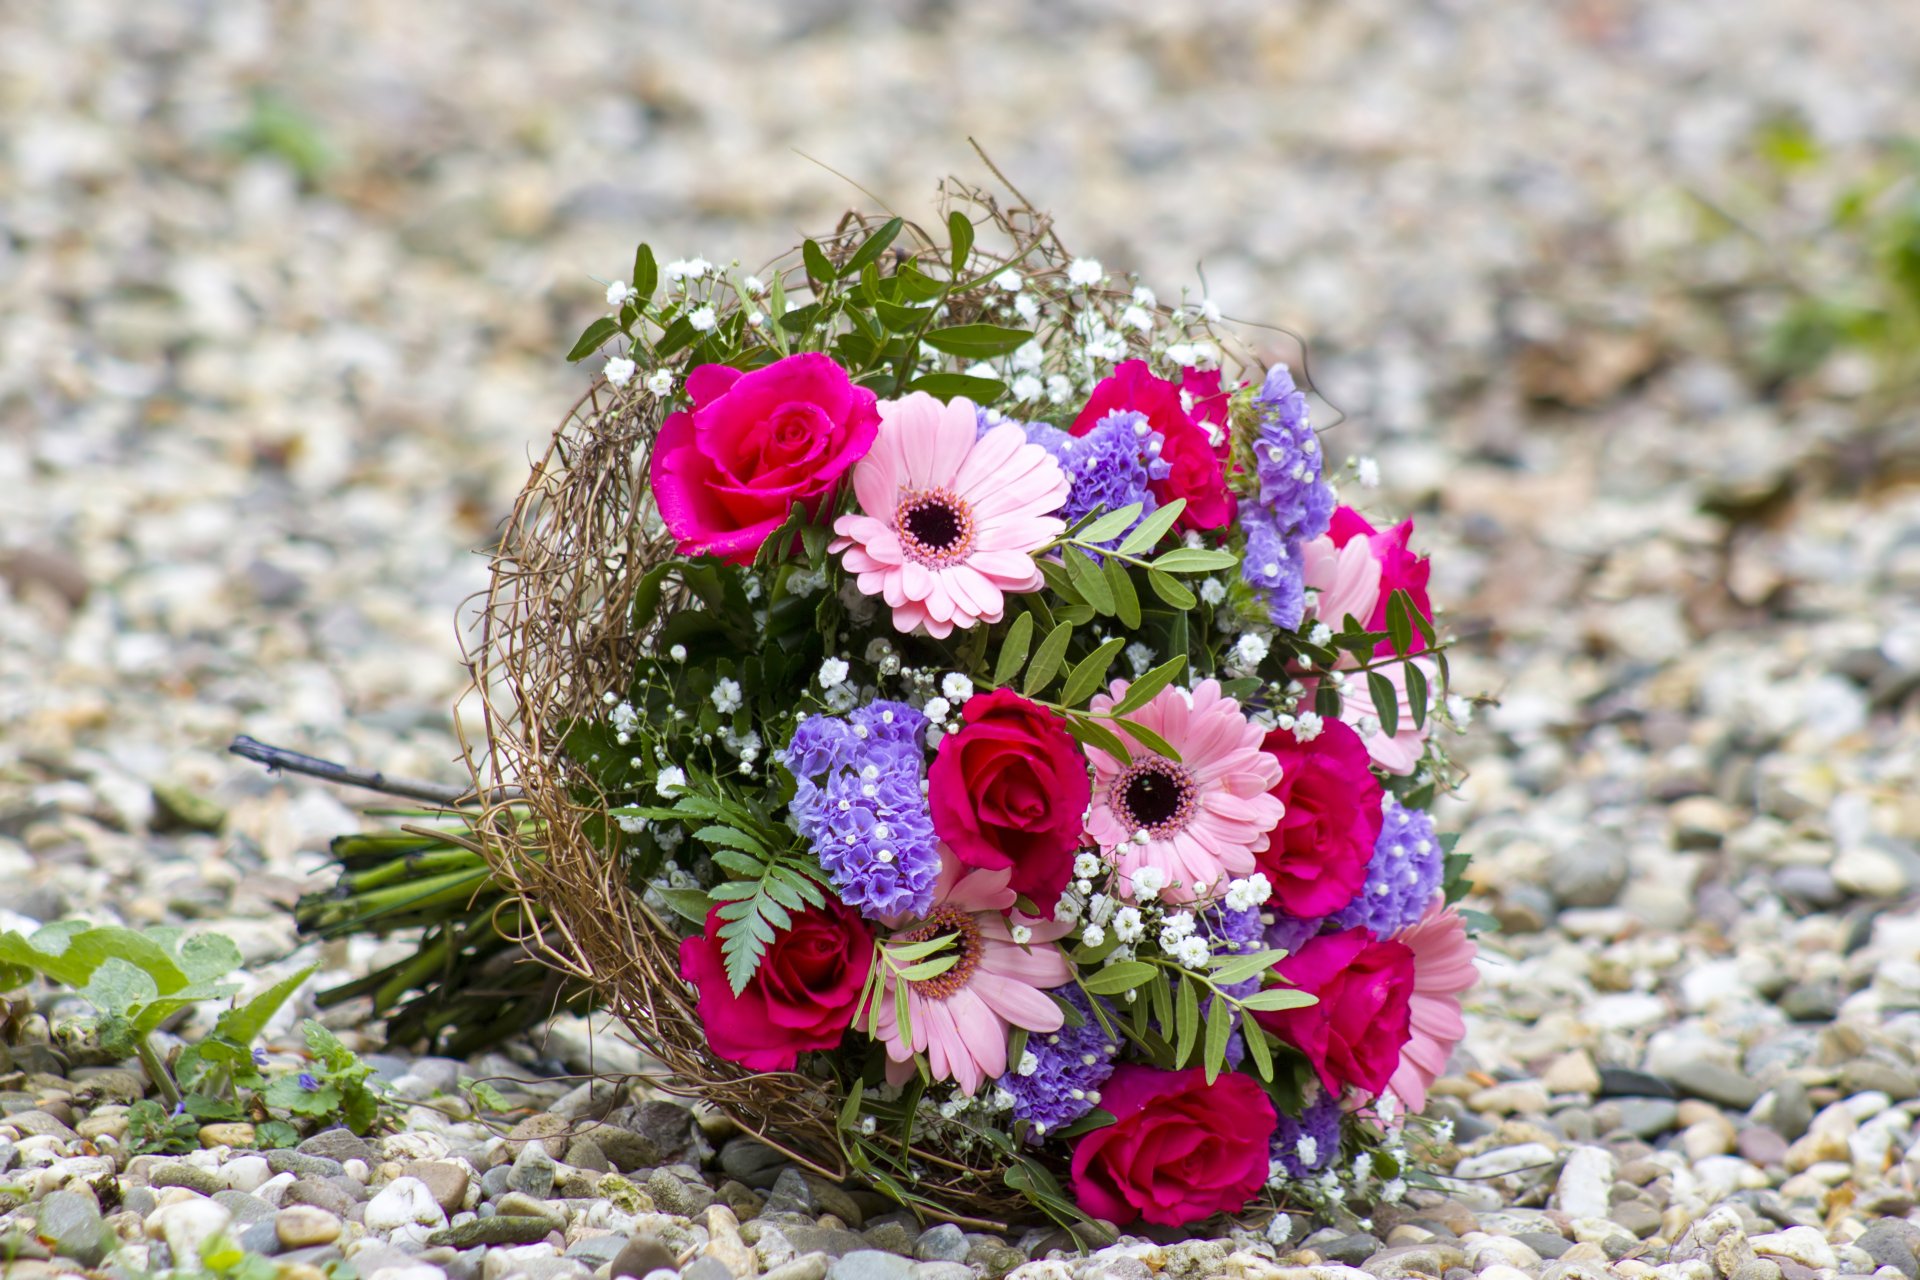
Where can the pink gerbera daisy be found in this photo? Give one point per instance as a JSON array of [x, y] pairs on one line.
[[1443, 968], [948, 524], [1204, 816], [960, 1018]]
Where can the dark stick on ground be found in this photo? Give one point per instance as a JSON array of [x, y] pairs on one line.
[[283, 760]]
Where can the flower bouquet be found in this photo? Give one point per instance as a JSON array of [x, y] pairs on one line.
[[955, 724]]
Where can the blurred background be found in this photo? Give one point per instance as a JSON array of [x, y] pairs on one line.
[[1624, 296]]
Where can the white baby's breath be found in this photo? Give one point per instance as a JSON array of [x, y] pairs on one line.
[[619, 371]]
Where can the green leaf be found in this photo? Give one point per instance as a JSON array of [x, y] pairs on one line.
[[118, 987], [1148, 739], [1326, 701], [850, 1111], [1088, 580], [1255, 1036], [1147, 534], [1090, 672], [960, 238], [819, 269], [597, 332], [928, 968], [1094, 734], [1013, 650], [689, 904], [1417, 695], [678, 335], [1399, 623], [205, 956], [1194, 560], [1141, 691], [1111, 525], [1274, 999], [1386, 702], [911, 951], [730, 838], [1126, 601], [1171, 590], [1040, 672], [646, 274], [977, 341], [1115, 978], [1227, 970], [1186, 1021], [244, 1023], [948, 385], [1219, 1027], [1094, 1119], [876, 244]]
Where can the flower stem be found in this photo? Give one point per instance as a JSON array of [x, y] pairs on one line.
[[157, 1072]]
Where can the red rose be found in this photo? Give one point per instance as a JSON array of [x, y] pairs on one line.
[[725, 473], [1354, 1035], [1179, 1149], [801, 997], [1211, 405], [1316, 859], [1400, 570], [1011, 790], [1196, 474]]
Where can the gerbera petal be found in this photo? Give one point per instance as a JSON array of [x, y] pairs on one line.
[[1017, 1002]]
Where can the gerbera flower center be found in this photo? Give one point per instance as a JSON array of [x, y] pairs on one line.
[[936, 527], [1154, 793], [967, 941]]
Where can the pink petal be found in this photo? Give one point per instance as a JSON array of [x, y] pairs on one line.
[[1018, 1003]]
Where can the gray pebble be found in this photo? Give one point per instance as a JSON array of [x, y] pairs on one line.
[[641, 1255], [791, 1193], [178, 1173], [260, 1238], [499, 1229], [1350, 1250], [1547, 1244], [943, 1271], [943, 1242], [303, 1165], [532, 1171], [72, 1221], [339, 1144], [246, 1209], [1792, 1110], [870, 1264], [594, 1250], [1890, 1243], [1715, 1083], [321, 1193]]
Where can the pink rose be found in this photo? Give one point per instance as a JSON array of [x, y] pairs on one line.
[[801, 997], [1316, 859], [1195, 473], [1179, 1149], [726, 473], [1400, 570], [1364, 987], [1009, 791]]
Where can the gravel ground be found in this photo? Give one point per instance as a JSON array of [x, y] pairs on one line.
[[282, 293]]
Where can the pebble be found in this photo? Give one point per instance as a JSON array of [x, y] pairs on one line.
[[300, 1226], [404, 1202], [187, 1224]]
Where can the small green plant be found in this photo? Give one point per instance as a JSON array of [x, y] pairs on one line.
[[136, 980]]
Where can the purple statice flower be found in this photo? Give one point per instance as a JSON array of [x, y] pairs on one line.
[[1111, 466], [1309, 1143], [1069, 1066], [1407, 866], [858, 800], [1290, 933], [1292, 504], [307, 1082]]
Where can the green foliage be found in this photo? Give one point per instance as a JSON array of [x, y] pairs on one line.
[[152, 1130]]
